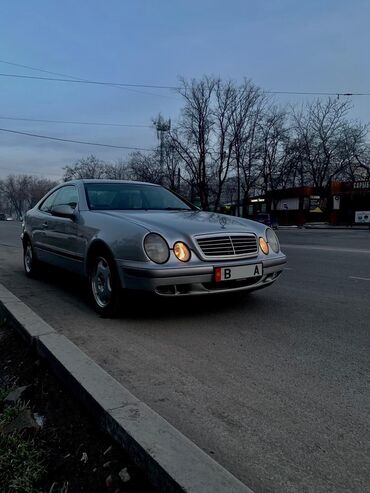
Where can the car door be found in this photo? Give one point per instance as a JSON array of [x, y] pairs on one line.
[[39, 224], [64, 232]]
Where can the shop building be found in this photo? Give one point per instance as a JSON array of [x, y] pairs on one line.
[[343, 203]]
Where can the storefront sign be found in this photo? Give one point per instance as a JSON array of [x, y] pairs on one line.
[[361, 185], [362, 217], [314, 202]]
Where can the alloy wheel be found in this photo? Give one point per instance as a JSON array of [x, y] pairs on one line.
[[101, 282], [28, 258]]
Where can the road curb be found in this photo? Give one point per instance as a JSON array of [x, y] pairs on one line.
[[326, 227], [338, 228], [172, 462]]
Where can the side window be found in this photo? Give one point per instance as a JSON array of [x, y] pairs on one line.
[[67, 196], [48, 203]]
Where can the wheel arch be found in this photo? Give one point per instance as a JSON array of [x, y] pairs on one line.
[[26, 237], [96, 246]]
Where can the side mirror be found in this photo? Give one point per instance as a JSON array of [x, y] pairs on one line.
[[64, 210]]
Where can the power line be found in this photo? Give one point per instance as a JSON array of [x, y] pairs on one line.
[[155, 86], [103, 124], [302, 93], [85, 81], [78, 79], [73, 141], [39, 69]]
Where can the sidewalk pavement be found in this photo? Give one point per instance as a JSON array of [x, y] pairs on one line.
[[360, 227], [355, 227]]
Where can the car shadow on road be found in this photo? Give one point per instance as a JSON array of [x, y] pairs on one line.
[[186, 306], [142, 305]]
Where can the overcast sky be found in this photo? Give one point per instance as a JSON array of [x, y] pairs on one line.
[[285, 45]]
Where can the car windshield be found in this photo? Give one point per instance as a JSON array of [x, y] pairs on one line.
[[132, 196]]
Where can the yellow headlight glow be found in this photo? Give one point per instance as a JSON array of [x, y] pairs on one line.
[[264, 246], [181, 251]]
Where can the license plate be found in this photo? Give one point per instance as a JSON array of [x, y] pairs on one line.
[[238, 272]]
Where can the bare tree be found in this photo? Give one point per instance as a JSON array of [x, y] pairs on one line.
[[319, 130], [89, 167], [223, 135], [145, 167], [21, 192], [37, 188], [276, 163], [4, 206], [192, 137], [246, 118], [217, 137], [15, 192], [354, 152], [117, 171]]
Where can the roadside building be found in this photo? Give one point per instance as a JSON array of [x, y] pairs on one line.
[[344, 203], [349, 198]]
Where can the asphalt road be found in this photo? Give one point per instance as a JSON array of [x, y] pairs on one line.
[[274, 385]]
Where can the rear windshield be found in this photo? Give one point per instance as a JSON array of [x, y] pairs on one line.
[[132, 196]]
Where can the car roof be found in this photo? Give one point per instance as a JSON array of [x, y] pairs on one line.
[[92, 180]]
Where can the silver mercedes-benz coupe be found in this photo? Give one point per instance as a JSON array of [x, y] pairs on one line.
[[139, 236]]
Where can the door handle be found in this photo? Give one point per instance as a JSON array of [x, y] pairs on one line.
[[45, 225]]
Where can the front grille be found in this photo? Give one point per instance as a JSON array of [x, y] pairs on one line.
[[228, 246]]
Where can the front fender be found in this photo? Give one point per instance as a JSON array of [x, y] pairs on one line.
[[124, 239]]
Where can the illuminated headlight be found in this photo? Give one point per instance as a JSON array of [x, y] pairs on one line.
[[156, 248], [272, 240], [181, 251], [263, 245]]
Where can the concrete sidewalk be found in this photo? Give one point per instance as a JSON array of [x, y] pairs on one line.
[[356, 227], [172, 462]]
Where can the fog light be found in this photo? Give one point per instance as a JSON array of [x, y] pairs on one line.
[[181, 251], [264, 246]]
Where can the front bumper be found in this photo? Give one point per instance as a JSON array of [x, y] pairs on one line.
[[194, 280]]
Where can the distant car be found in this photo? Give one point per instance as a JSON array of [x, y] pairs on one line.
[[133, 235], [9, 219], [267, 219], [2, 217]]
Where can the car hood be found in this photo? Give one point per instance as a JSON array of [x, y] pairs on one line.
[[187, 223]]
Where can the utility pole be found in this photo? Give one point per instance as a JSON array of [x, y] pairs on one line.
[[238, 189], [162, 126]]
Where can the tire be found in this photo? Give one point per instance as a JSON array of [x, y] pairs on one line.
[[104, 285], [30, 262]]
